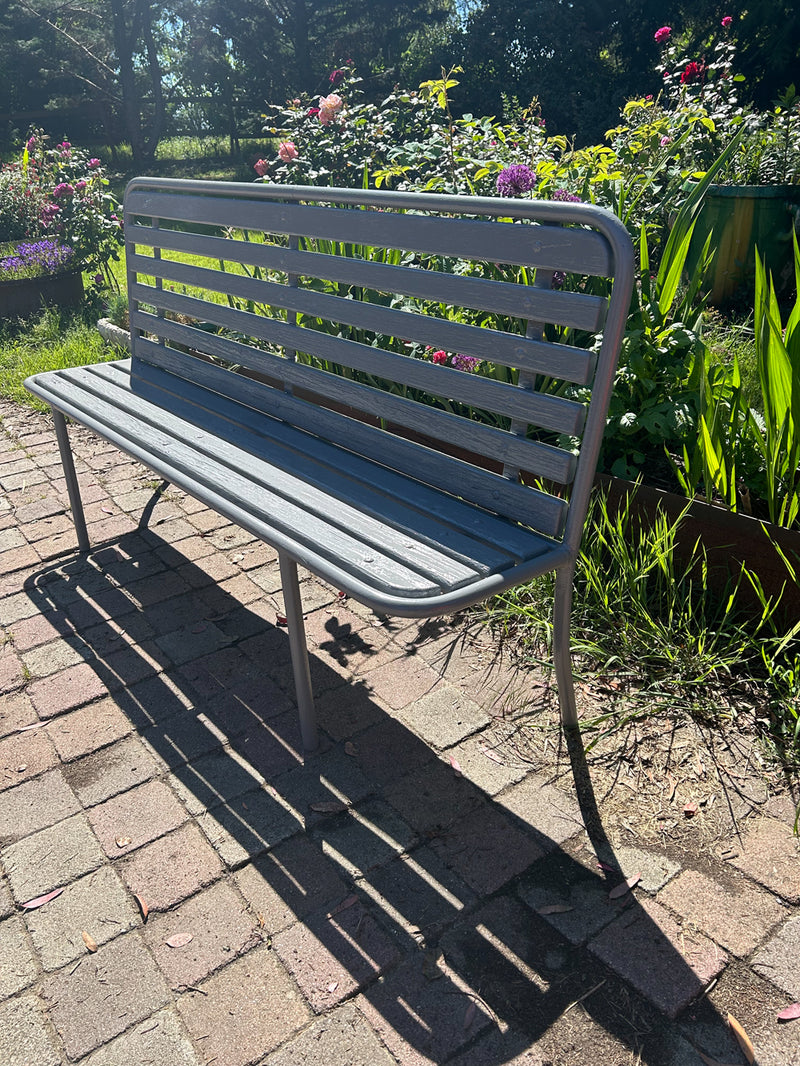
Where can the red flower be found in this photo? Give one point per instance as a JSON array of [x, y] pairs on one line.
[[727, 22], [693, 72], [439, 357]]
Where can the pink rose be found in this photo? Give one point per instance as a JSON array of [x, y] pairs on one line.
[[93, 163], [287, 151], [329, 107], [80, 185], [439, 357], [261, 166], [727, 22], [662, 34]]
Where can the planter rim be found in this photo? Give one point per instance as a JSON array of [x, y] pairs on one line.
[[754, 192], [42, 279]]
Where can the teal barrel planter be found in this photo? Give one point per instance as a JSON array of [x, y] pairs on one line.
[[739, 219], [25, 296]]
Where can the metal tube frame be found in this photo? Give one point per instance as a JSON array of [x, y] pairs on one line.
[[299, 649], [73, 489]]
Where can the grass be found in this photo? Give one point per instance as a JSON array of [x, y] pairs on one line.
[[49, 341], [644, 615]]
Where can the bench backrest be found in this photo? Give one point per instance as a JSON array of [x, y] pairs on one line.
[[334, 306]]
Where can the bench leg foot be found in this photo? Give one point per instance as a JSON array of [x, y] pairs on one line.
[[299, 650], [562, 660], [73, 490]]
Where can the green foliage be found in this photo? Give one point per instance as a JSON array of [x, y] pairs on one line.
[[742, 451]]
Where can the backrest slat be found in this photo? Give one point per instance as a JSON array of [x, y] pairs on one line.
[[547, 247]]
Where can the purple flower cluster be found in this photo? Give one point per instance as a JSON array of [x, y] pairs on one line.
[[515, 180], [467, 363], [566, 197], [36, 260]]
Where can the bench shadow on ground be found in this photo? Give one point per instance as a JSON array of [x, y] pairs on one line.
[[439, 867]]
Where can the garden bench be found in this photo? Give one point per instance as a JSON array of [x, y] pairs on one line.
[[282, 372]]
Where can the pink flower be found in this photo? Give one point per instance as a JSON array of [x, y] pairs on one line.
[[62, 189], [665, 141], [31, 144], [93, 164], [662, 34], [693, 72], [727, 22], [336, 77], [666, 74], [312, 112], [261, 166], [98, 279], [80, 185], [287, 151], [439, 357], [329, 107]]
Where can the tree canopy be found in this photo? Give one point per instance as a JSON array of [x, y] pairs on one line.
[[133, 70]]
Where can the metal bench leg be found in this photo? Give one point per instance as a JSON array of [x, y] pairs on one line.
[[562, 610], [299, 649], [74, 491]]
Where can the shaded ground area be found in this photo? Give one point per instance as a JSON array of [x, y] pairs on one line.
[[440, 882]]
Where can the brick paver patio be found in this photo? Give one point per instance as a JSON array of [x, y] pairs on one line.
[[412, 893]]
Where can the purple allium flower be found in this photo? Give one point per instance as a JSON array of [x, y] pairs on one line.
[[559, 277], [515, 180], [467, 363], [566, 197]]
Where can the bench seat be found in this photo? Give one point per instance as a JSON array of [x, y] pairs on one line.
[[397, 545]]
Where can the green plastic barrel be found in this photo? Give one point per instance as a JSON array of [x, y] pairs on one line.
[[739, 219]]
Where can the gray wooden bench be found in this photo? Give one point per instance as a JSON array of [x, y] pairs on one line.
[[281, 373]]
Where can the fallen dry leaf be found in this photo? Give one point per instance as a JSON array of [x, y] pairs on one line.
[[744, 1040], [347, 902], [144, 910], [122, 842], [490, 753], [690, 810], [281, 620], [350, 749], [40, 901], [626, 886], [555, 908], [789, 1014], [604, 866], [455, 765], [328, 807], [89, 941], [673, 788], [469, 1014], [22, 769], [25, 728], [106, 510], [179, 940], [333, 986]]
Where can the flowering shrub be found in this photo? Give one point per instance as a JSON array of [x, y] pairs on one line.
[[60, 193], [37, 260], [410, 141]]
